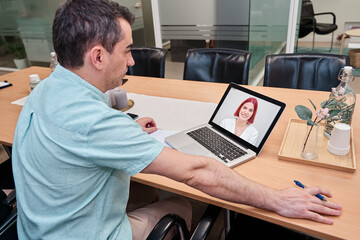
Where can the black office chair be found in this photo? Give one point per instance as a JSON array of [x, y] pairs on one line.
[[8, 216], [309, 24], [217, 65], [304, 71], [149, 62], [172, 220]]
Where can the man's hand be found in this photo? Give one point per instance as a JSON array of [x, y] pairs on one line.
[[147, 124], [302, 203]]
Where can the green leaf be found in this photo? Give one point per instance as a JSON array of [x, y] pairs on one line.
[[325, 104], [333, 113], [303, 112], [332, 106], [312, 104], [310, 122]]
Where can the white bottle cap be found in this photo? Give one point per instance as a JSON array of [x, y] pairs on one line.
[[34, 78], [52, 54], [347, 69]]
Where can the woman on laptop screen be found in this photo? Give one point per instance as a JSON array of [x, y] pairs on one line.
[[241, 124]]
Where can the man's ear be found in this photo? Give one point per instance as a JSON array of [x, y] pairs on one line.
[[97, 56]]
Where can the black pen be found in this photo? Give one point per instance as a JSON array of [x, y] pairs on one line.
[[5, 84], [321, 197]]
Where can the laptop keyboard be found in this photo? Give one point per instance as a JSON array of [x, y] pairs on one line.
[[215, 143]]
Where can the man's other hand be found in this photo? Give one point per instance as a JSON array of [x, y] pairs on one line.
[[147, 124]]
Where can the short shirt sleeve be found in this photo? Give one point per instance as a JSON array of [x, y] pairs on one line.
[[116, 141]]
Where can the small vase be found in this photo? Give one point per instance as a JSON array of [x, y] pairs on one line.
[[310, 146]]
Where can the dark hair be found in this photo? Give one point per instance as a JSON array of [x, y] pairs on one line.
[[254, 102], [78, 25]]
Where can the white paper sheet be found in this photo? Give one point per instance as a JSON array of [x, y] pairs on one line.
[[171, 113], [20, 101], [161, 134]]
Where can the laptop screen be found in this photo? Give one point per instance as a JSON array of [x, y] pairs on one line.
[[246, 116]]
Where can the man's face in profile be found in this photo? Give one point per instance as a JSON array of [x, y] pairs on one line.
[[120, 58]]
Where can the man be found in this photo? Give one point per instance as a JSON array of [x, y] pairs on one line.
[[73, 156]]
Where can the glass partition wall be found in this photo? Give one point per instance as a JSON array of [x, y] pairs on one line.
[[258, 26], [268, 27], [255, 25], [26, 31]]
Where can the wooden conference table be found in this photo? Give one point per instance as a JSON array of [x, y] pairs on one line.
[[266, 169]]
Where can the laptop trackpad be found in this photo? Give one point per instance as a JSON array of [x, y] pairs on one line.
[[194, 149]]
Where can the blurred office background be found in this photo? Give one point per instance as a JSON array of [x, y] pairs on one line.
[[261, 27]]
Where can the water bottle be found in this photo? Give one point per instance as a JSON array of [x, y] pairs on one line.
[[53, 61], [341, 98]]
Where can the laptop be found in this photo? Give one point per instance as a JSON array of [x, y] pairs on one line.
[[221, 139]]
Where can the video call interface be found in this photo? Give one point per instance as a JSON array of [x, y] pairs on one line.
[[247, 116]]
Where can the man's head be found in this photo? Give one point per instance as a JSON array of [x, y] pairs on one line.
[[79, 25]]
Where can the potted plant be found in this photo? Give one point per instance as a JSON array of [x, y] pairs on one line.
[[17, 48]]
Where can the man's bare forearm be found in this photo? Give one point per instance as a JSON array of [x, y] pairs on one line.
[[220, 181], [217, 180]]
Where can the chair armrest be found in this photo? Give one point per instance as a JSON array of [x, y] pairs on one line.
[[170, 220], [165, 224], [327, 13], [206, 222]]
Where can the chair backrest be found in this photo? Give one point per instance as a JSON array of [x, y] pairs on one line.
[[304, 71], [307, 14], [149, 62], [217, 65]]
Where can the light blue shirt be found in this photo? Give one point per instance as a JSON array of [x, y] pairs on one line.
[[72, 161]]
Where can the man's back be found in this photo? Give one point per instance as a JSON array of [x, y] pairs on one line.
[[72, 159]]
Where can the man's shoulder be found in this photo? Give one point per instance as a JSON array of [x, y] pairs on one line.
[[74, 108]]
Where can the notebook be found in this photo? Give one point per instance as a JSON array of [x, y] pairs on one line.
[[236, 131]]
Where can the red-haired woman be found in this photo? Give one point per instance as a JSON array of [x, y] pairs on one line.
[[241, 124]]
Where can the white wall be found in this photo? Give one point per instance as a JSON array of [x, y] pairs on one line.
[[345, 11]]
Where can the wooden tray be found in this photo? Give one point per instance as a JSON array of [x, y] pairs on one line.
[[292, 142]]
